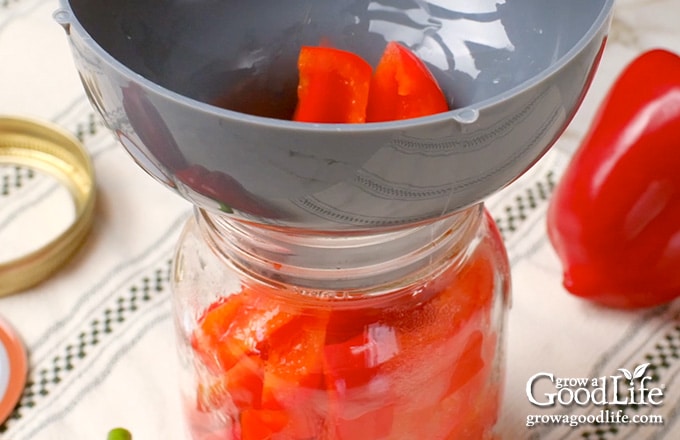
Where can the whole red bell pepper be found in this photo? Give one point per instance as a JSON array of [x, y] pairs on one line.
[[614, 218]]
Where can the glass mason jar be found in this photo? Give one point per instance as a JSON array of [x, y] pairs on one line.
[[299, 335]]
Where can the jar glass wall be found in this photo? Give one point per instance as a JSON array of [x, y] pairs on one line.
[[297, 335]]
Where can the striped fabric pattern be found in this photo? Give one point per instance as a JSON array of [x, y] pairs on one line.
[[100, 334]]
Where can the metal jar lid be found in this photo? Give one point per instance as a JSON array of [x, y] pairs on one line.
[[48, 148]]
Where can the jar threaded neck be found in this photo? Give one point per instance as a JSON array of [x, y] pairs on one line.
[[335, 263]]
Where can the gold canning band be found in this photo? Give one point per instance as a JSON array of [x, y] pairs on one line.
[[46, 147]]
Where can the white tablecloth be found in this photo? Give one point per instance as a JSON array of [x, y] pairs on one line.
[[99, 333]]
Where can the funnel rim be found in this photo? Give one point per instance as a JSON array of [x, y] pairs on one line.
[[596, 27]]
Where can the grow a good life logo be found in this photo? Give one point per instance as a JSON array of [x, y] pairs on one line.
[[630, 388], [604, 390]]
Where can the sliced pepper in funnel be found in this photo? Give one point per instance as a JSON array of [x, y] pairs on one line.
[[614, 218], [333, 86], [403, 87], [336, 86]]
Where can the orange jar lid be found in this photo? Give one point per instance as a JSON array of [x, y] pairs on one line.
[[13, 370]]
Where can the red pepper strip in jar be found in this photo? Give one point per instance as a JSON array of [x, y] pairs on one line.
[[614, 218], [403, 87], [333, 86], [284, 370]]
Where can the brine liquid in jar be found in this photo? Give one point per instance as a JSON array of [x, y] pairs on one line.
[[300, 336]]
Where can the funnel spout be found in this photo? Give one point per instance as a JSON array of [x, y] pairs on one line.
[[63, 18], [466, 116]]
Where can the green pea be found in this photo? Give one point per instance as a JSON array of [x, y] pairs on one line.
[[119, 434]]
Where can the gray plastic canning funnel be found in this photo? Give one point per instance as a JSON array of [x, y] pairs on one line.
[[198, 93]]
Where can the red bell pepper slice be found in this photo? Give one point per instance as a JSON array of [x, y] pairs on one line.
[[242, 383], [282, 370], [245, 381], [337, 86], [403, 87], [238, 325], [214, 323], [262, 424], [614, 217], [294, 358], [459, 298], [373, 424], [354, 362], [333, 86], [470, 364]]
